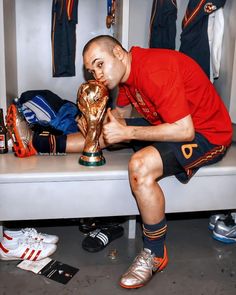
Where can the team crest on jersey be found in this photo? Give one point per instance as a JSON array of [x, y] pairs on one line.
[[209, 7]]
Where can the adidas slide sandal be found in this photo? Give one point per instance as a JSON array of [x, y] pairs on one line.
[[100, 238]]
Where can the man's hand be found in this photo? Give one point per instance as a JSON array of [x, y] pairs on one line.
[[113, 131]]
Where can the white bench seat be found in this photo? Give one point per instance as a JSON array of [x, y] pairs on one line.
[[54, 187]]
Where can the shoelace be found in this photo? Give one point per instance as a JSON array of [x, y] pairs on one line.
[[143, 259], [32, 233], [29, 242], [232, 232]]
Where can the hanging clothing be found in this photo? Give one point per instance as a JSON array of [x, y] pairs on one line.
[[215, 36], [194, 36], [163, 24], [63, 37]]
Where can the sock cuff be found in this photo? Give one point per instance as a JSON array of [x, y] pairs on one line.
[[155, 231]]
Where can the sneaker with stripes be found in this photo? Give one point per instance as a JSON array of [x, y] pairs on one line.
[[27, 249], [24, 233]]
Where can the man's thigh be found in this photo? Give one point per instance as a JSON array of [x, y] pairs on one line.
[[181, 159], [170, 164]]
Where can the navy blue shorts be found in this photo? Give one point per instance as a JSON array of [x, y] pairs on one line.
[[181, 159]]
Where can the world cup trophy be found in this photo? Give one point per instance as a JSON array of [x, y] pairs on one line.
[[92, 99]]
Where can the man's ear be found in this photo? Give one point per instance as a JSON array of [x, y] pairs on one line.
[[118, 52]]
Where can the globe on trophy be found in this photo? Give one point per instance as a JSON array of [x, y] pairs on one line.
[[92, 100]]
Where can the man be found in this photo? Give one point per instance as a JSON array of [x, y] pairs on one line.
[[184, 126], [188, 127]]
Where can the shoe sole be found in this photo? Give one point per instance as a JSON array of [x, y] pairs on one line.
[[18, 146], [18, 258], [133, 287], [223, 239], [11, 258], [211, 226]]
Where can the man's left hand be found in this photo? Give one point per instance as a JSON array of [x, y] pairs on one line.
[[113, 131]]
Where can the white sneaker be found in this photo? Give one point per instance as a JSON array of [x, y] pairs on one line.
[[10, 236], [27, 249]]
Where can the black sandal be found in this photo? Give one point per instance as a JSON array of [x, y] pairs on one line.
[[100, 238]]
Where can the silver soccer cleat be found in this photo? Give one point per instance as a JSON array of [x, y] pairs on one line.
[[142, 269]]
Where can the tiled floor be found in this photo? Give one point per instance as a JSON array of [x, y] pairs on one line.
[[197, 265]]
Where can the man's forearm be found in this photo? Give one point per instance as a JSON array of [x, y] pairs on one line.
[[163, 132]]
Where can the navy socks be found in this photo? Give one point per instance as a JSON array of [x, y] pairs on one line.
[[49, 144], [154, 237]]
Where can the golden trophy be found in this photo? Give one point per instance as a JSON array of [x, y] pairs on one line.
[[92, 99]]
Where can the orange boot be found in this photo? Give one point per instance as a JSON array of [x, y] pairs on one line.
[[20, 133]]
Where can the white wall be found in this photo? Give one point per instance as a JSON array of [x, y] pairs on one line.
[[139, 18], [2, 62], [33, 38], [10, 49]]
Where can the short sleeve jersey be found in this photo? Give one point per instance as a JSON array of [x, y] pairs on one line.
[[165, 86]]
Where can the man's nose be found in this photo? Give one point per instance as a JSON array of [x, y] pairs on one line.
[[98, 74]]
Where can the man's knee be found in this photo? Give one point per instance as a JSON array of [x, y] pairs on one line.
[[137, 167], [143, 170]]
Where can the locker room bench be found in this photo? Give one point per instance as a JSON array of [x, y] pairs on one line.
[[55, 187]]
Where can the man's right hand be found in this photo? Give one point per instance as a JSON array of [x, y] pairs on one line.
[[82, 125]]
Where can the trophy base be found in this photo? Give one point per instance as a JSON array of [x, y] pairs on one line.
[[92, 159]]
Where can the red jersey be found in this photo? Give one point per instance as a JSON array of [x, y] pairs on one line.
[[165, 86]]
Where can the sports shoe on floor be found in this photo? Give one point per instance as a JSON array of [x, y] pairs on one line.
[[142, 269], [225, 232], [28, 249], [214, 218], [20, 133], [11, 236], [228, 218]]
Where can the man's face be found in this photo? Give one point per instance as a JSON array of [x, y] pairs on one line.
[[104, 65]]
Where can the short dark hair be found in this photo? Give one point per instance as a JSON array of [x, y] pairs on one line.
[[107, 40]]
